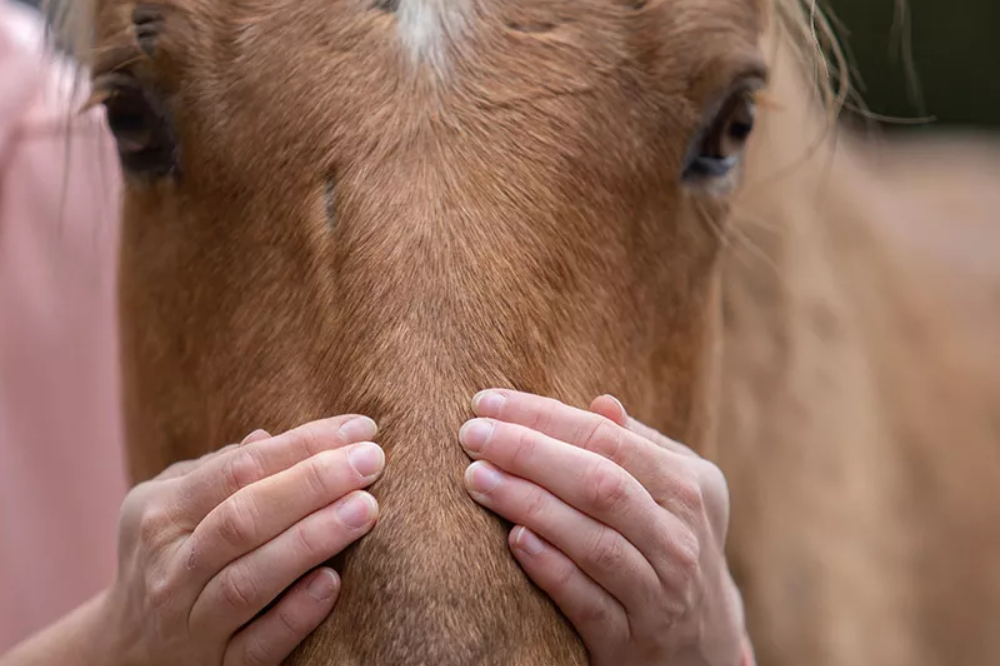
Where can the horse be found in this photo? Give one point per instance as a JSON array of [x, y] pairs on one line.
[[382, 207], [860, 390]]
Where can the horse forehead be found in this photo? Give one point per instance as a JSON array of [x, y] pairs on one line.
[[425, 26]]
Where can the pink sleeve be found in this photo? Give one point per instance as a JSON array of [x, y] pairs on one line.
[[61, 472]]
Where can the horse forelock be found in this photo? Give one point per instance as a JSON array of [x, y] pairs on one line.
[[427, 28]]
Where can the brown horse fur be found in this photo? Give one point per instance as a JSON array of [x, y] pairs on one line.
[[377, 212]]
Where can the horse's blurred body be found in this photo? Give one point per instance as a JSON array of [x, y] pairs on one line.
[[860, 420]]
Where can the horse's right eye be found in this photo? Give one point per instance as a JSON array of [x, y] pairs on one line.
[[141, 127], [719, 149], [715, 151]]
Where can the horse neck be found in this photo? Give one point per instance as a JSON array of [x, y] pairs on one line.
[[799, 227], [858, 339]]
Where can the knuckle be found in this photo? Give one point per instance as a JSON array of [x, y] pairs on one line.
[[524, 449], [679, 573], [154, 523], [563, 578], [715, 495], [160, 591], [608, 551], [688, 495], [134, 505], [687, 554], [603, 437], [318, 471], [534, 505], [595, 615], [175, 469], [608, 489], [315, 437], [243, 469], [257, 652], [710, 474], [238, 520], [311, 544], [292, 624], [541, 419], [238, 590]]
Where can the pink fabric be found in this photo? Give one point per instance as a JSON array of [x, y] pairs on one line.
[[61, 473]]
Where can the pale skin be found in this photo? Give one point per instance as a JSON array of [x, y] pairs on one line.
[[622, 527]]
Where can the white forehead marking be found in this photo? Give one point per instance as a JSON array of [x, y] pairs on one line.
[[428, 26]]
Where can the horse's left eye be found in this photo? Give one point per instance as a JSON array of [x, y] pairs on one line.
[[716, 151], [146, 145]]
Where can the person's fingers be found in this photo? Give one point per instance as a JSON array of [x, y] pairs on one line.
[[659, 438], [589, 482], [245, 587], [207, 486], [183, 467], [714, 496], [258, 513], [559, 421], [255, 436], [582, 428], [179, 469], [668, 471], [590, 609], [601, 552], [610, 408], [268, 640]]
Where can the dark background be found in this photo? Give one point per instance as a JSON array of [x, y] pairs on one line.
[[955, 49]]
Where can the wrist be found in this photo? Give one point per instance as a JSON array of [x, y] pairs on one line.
[[724, 640], [102, 629], [81, 638]]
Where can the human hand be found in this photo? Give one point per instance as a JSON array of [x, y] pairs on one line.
[[622, 527], [209, 544]]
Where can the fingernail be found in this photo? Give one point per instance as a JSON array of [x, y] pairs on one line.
[[255, 436], [358, 428], [356, 510], [482, 477], [367, 459], [620, 405], [323, 585], [488, 403], [475, 433], [527, 541]]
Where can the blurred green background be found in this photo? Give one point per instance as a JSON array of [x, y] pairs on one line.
[[954, 46]]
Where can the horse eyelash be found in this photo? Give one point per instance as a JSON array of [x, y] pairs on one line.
[[104, 87], [116, 59]]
